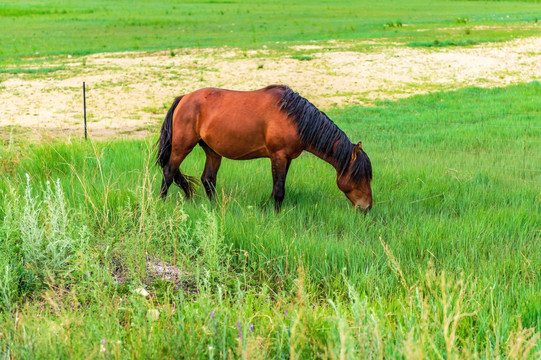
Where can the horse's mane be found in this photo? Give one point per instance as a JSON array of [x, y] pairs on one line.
[[321, 133]]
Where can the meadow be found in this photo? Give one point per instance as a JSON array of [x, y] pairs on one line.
[[447, 264], [35, 29]]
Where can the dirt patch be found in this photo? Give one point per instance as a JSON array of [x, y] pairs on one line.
[[129, 93], [157, 270]]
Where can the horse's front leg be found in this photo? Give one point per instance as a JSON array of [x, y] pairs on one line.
[[280, 166]]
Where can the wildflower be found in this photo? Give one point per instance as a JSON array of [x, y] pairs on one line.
[[141, 291], [285, 313], [102, 346], [251, 327], [212, 313]]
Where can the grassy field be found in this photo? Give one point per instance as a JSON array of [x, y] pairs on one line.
[[446, 265], [31, 28]]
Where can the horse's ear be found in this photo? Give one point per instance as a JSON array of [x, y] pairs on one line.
[[356, 150]]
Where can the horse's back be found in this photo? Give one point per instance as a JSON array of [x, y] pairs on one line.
[[239, 124]]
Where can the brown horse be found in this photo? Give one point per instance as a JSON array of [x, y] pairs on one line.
[[274, 122]]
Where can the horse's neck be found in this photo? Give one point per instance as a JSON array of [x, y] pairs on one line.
[[324, 157]]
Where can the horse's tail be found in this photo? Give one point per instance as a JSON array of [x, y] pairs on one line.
[[187, 183], [166, 135]]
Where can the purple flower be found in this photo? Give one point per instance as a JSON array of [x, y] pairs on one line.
[[102, 346], [212, 314], [285, 313], [251, 327], [239, 326]]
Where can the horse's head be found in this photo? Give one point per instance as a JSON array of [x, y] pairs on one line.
[[355, 180]]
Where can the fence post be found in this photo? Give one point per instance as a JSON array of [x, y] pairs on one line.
[[84, 106]]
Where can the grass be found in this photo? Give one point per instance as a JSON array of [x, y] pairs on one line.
[[76, 27], [301, 57], [437, 43], [447, 264], [32, 71]]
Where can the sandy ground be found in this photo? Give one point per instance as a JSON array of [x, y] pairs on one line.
[[129, 93]]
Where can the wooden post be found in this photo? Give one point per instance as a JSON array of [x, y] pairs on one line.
[[84, 105]]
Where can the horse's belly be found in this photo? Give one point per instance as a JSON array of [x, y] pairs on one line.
[[239, 153], [239, 144]]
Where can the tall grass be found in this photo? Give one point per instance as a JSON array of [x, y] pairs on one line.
[[446, 265]]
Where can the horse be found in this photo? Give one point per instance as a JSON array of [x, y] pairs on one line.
[[274, 122]]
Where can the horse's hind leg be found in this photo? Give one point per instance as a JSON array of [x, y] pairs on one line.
[[171, 172], [167, 181], [280, 167], [212, 165]]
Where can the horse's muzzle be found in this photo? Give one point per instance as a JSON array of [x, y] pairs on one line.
[[365, 210]]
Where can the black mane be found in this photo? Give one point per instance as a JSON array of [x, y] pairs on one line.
[[321, 133]]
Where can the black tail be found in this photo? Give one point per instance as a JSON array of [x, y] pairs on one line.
[[187, 183], [166, 134]]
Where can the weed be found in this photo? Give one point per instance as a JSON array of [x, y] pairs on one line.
[[391, 24], [46, 240], [8, 286]]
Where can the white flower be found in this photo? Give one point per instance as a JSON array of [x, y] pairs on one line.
[[141, 291]]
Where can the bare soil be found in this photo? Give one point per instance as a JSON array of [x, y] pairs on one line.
[[128, 93]]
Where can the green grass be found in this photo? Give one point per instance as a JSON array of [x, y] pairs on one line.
[[32, 71], [437, 43], [301, 57], [76, 27], [447, 263]]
